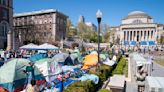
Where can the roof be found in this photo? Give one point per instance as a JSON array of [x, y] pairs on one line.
[[117, 81], [37, 12], [138, 14]]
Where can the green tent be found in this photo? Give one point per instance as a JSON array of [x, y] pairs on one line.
[[12, 75]]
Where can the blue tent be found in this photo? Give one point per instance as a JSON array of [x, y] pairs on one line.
[[37, 57]]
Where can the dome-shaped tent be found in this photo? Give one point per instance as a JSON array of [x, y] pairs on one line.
[[12, 74]]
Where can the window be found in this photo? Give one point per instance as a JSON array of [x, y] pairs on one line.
[[4, 13], [3, 29], [4, 2]]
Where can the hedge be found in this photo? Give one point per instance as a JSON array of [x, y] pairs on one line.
[[120, 66], [89, 86], [104, 90]]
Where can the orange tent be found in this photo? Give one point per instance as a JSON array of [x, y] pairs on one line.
[[90, 60]]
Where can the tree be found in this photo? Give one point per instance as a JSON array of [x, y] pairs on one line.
[[71, 31]]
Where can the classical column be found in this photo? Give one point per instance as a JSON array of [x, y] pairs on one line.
[[126, 35], [132, 35], [129, 35]]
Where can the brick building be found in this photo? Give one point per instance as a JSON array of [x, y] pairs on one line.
[[39, 27]]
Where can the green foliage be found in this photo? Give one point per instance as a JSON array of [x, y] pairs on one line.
[[120, 66], [89, 86], [84, 86], [104, 90]]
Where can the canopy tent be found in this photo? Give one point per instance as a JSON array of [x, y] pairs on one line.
[[47, 46], [90, 60], [30, 46], [48, 67], [37, 57], [12, 75]]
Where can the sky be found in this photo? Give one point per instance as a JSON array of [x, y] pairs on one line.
[[113, 10]]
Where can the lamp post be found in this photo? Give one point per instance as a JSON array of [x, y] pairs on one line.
[[99, 15]]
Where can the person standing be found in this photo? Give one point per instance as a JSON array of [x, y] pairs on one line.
[[30, 72]]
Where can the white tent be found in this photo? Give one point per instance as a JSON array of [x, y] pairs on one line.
[[47, 46], [29, 46]]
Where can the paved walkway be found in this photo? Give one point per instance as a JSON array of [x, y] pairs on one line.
[[158, 70], [131, 86]]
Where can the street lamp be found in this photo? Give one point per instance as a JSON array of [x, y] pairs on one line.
[[99, 15]]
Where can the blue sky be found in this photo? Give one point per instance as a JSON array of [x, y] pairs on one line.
[[113, 10]]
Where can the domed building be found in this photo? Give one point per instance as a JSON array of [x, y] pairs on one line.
[[139, 28]]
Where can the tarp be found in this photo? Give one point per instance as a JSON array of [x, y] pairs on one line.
[[37, 57], [90, 60], [12, 73], [133, 43], [47, 46], [94, 78], [64, 83], [29, 46], [143, 43], [109, 62]]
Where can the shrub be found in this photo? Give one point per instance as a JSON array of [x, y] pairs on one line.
[[104, 90], [120, 66], [81, 86]]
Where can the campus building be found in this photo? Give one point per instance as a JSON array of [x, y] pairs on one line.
[[139, 28], [6, 12], [39, 27]]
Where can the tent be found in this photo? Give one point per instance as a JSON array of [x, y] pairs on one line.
[[12, 75], [37, 57], [48, 67], [90, 60], [30, 46], [60, 57], [47, 46]]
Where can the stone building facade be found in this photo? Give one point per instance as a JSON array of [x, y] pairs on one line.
[[39, 27], [6, 12], [139, 27]]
